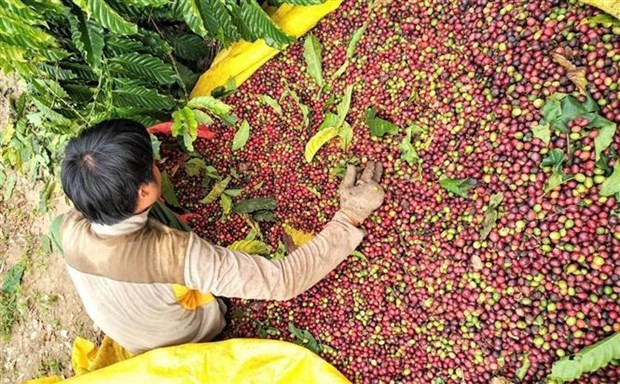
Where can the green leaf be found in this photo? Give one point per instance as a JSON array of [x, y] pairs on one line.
[[341, 70], [491, 215], [87, 36], [202, 117], [525, 366], [252, 247], [167, 190], [459, 187], [305, 110], [107, 17], [219, 21], [312, 55], [216, 191], [211, 173], [209, 103], [186, 126], [188, 46], [611, 185], [487, 225], [554, 159], [570, 108], [344, 105], [589, 359], [225, 90], [253, 205], [378, 126], [359, 256], [357, 35], [408, 151], [118, 45], [13, 278], [270, 101], [9, 186], [215, 106], [226, 204], [154, 43], [591, 105], [46, 244], [607, 21], [606, 132], [304, 338], [555, 180], [162, 213], [330, 120], [551, 110], [131, 95], [194, 166], [242, 135], [303, 2], [55, 233], [156, 146], [314, 191], [496, 199], [262, 26], [233, 192], [45, 195], [542, 132], [345, 132], [190, 12], [318, 140], [264, 216], [144, 66], [147, 3]]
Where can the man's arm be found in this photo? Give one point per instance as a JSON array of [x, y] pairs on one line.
[[215, 269], [220, 271]]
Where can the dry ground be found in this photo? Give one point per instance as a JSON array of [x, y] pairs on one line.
[[48, 314]]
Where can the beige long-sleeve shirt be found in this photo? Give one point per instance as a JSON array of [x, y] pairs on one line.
[[124, 274]]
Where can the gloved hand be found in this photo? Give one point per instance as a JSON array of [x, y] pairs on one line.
[[358, 200]]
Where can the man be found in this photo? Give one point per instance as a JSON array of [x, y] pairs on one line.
[[126, 266]]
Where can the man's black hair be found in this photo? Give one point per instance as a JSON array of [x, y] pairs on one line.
[[104, 167]]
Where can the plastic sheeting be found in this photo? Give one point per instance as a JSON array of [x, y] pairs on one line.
[[230, 361]]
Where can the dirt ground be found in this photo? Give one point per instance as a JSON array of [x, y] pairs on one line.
[[47, 312]]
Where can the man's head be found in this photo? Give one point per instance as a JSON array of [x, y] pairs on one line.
[[108, 171]]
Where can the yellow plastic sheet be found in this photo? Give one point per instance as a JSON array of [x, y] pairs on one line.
[[610, 6], [242, 59], [230, 361], [85, 357]]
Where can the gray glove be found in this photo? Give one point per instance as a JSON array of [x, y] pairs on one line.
[[359, 200]]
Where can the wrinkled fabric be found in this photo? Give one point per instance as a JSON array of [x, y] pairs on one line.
[[237, 361]]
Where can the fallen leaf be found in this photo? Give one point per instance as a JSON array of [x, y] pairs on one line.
[[500, 380], [298, 237], [575, 74], [542, 132], [477, 263], [288, 243]]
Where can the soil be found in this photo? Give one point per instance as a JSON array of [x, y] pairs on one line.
[[48, 314]]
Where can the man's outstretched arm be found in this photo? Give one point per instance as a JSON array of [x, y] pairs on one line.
[[223, 272]]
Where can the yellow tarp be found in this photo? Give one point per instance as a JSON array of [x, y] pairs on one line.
[[242, 59], [230, 361], [610, 6]]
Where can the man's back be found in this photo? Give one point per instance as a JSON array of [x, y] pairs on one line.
[[124, 274]]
